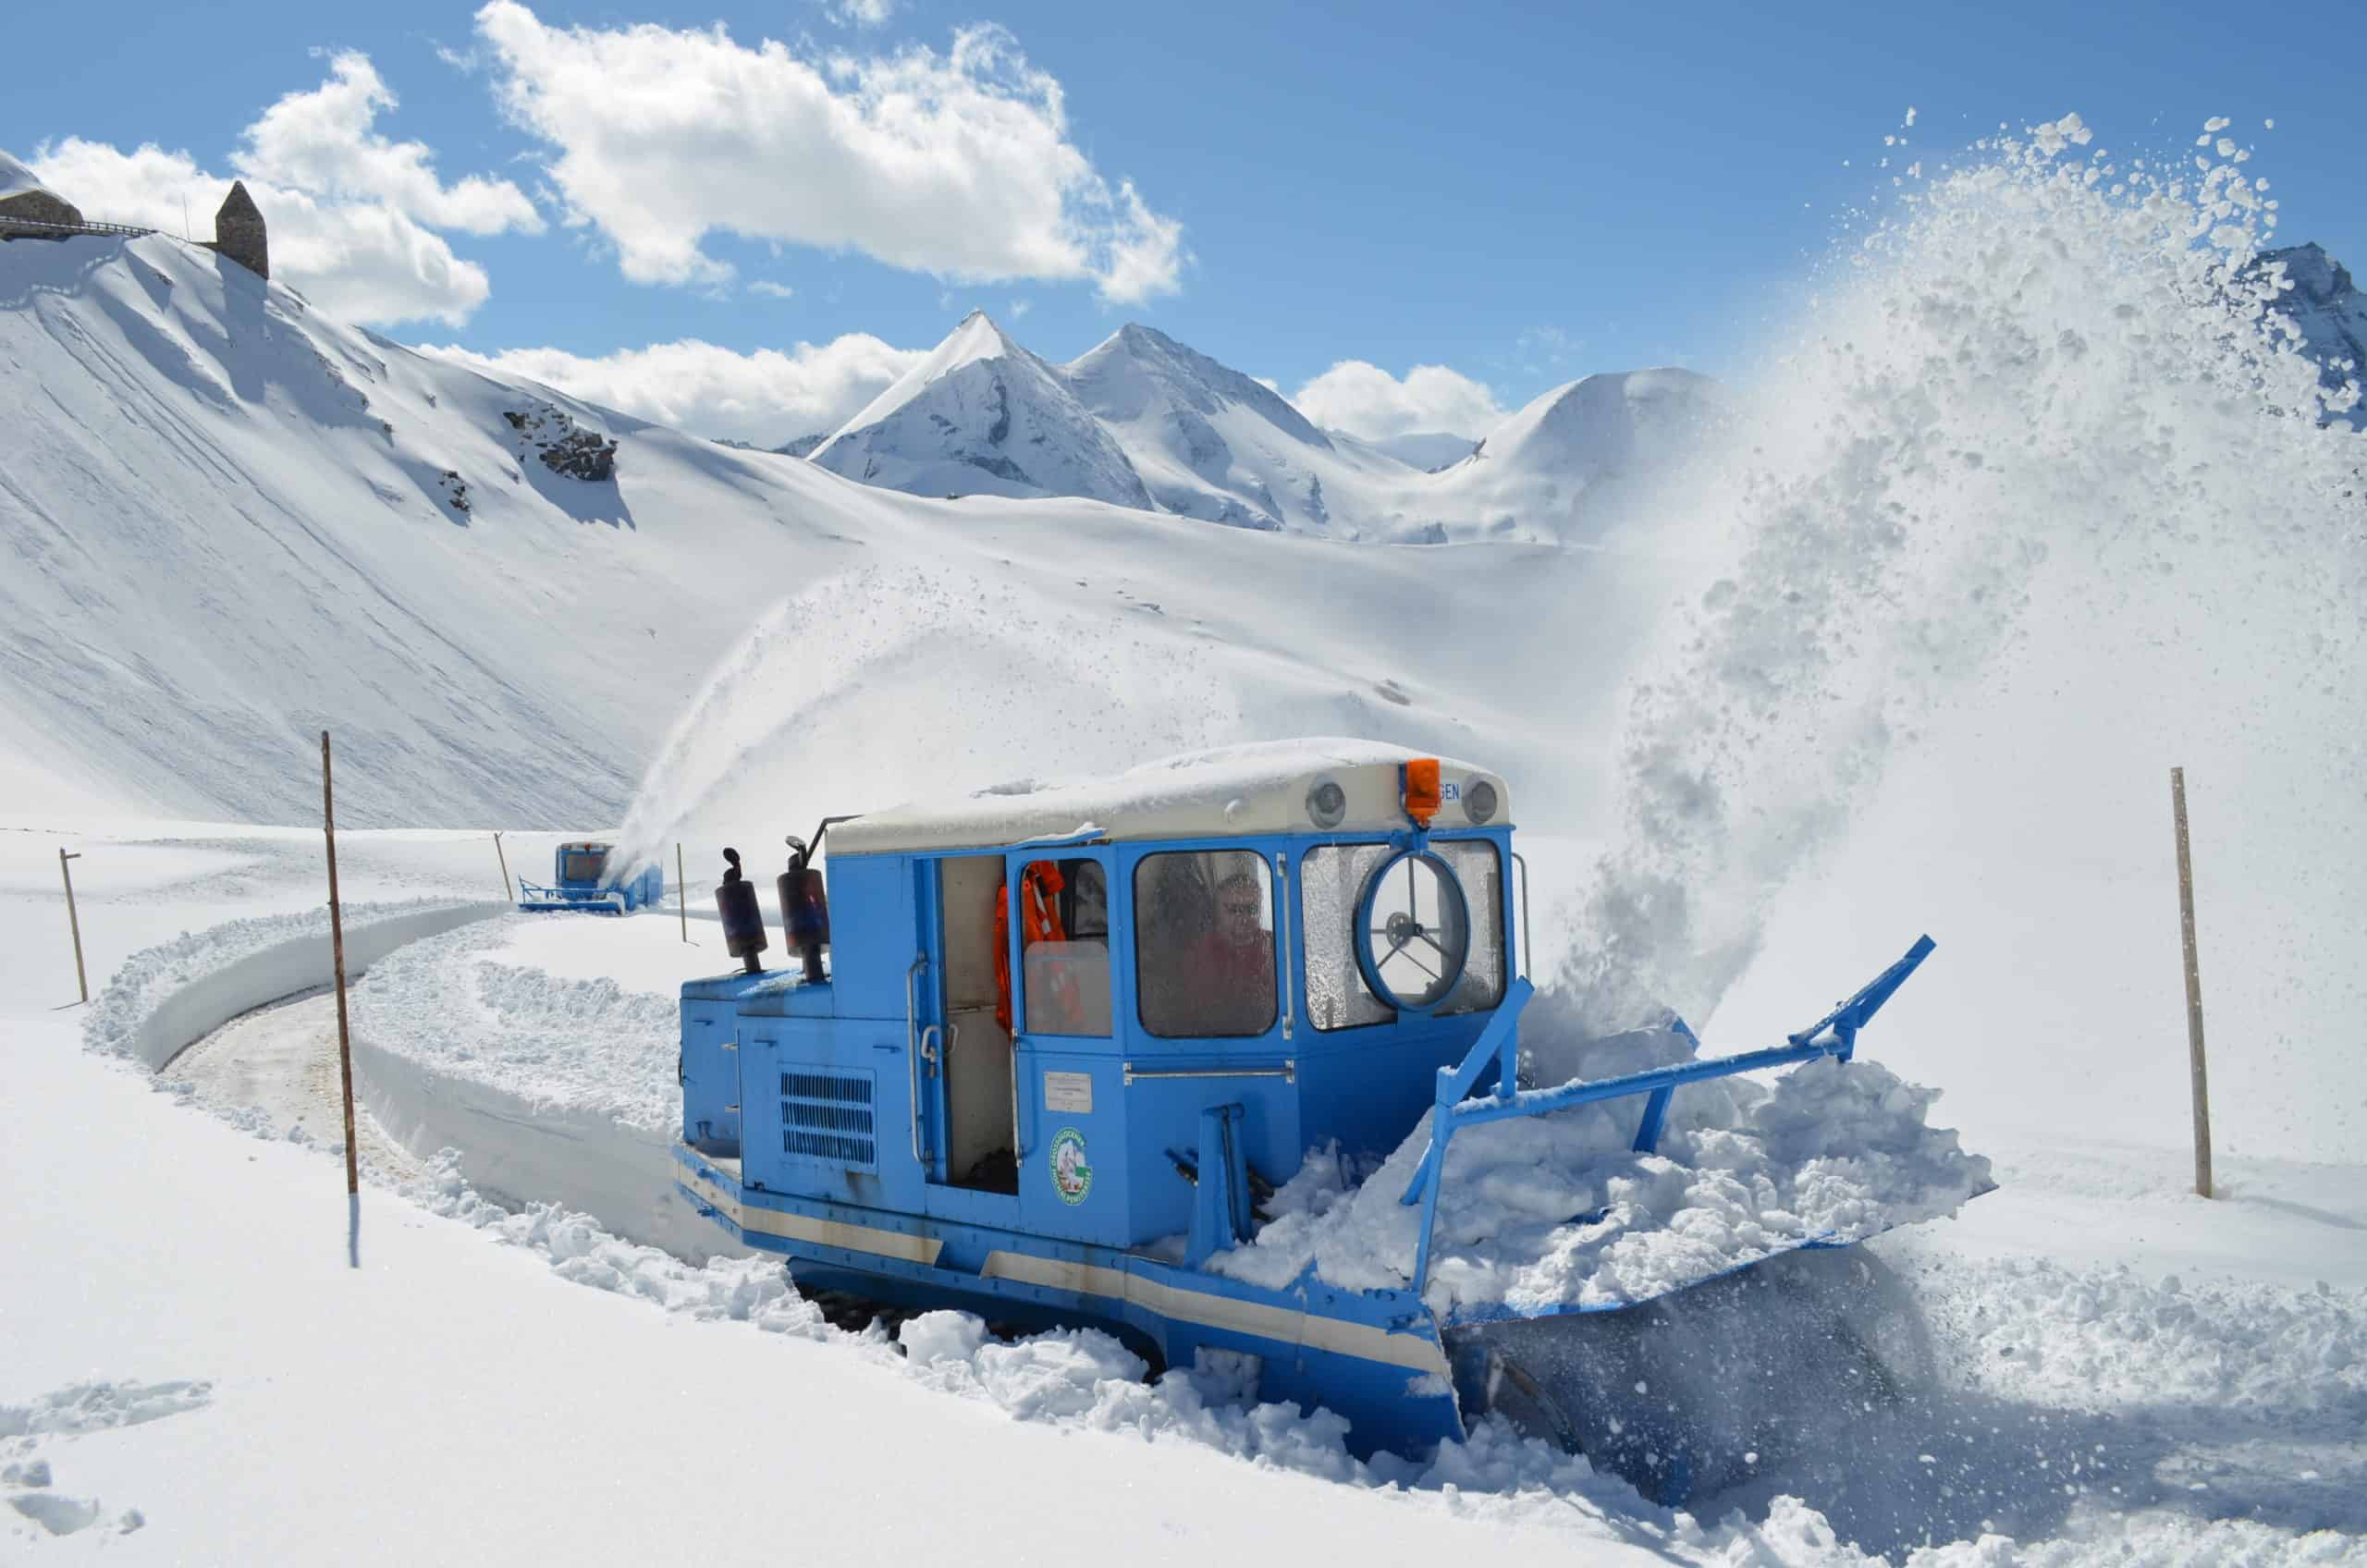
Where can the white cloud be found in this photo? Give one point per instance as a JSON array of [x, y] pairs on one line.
[[860, 12], [351, 213], [1365, 401], [364, 261], [766, 398], [957, 165], [771, 290], [324, 142]]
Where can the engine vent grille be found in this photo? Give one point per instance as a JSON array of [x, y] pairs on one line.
[[827, 1115]]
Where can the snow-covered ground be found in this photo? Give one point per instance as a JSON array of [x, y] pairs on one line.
[[1919, 658], [194, 451], [2111, 1358]]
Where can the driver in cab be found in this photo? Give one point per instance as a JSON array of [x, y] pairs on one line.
[[1231, 966], [1206, 955]]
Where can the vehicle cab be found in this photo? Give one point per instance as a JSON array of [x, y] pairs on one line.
[[1086, 1012]]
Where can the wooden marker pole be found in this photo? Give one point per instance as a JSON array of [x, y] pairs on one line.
[[344, 1031], [73, 920], [506, 896], [682, 893], [2193, 990]]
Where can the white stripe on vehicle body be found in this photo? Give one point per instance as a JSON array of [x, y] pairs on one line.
[[821, 1233], [1204, 1308], [1367, 1341]]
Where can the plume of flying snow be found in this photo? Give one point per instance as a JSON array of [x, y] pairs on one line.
[[2045, 393]]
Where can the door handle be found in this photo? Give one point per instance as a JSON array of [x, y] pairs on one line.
[[1018, 1145]]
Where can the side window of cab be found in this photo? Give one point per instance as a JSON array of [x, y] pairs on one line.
[[1204, 944], [1064, 946]]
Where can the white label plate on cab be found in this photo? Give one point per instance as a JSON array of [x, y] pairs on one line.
[[1071, 1092]]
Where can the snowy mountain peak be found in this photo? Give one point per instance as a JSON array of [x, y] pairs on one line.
[[982, 415], [1117, 375], [2316, 277], [2330, 314], [1600, 424], [978, 338], [1210, 442], [1144, 420]]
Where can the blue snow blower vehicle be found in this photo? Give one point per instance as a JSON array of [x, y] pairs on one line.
[[1071, 1038], [582, 883]]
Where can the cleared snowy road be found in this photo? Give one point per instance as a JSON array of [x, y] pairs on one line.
[[2108, 1358], [278, 1066]]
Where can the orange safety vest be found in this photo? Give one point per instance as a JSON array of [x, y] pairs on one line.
[[1040, 921]]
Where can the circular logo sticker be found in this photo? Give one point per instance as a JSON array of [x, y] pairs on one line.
[[1071, 1177]]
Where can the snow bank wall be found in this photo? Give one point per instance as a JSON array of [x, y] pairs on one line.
[[516, 1151], [185, 1014], [166, 998]]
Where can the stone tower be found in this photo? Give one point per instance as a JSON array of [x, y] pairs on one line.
[[238, 231]]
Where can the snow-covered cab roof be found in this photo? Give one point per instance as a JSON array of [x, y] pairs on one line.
[[1267, 788]]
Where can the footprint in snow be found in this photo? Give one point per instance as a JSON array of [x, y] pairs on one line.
[[29, 1494], [73, 1411], [98, 1407]]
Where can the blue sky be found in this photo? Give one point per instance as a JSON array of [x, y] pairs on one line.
[[1520, 196]]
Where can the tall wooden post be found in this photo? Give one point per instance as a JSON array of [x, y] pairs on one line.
[[681, 891], [506, 896], [2193, 990], [73, 920], [344, 1030]]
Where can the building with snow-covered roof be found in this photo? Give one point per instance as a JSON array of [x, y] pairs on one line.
[[24, 198], [30, 210]]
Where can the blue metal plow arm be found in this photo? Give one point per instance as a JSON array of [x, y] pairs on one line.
[[1834, 1034]]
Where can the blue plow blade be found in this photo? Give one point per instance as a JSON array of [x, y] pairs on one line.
[[1683, 1392], [533, 899]]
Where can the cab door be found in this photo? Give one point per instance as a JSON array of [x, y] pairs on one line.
[[1210, 1020], [1068, 1108], [960, 1038]]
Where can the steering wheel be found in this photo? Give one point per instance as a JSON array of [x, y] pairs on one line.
[[1413, 931]]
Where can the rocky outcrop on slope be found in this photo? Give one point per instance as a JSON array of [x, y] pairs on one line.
[[564, 446]]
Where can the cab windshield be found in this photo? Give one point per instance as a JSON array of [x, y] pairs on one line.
[[582, 865]]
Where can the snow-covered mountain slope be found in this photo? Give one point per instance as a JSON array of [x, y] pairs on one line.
[[983, 416], [1553, 470], [796, 447], [228, 522], [2331, 315], [1143, 421], [1209, 442], [1428, 450]]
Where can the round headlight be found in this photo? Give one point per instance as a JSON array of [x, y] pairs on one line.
[[1327, 804], [1479, 802]]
